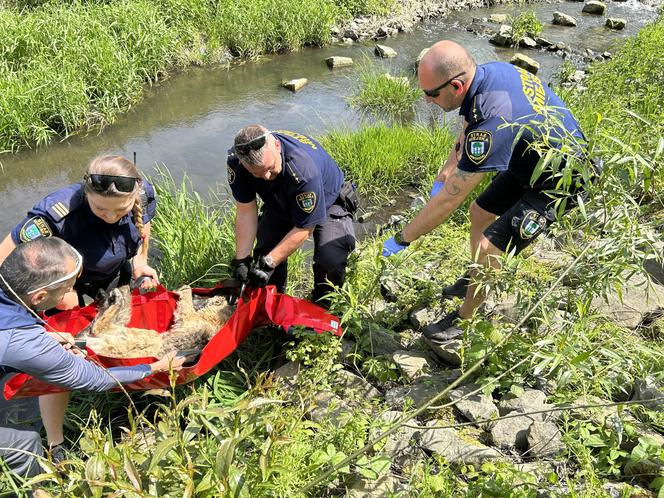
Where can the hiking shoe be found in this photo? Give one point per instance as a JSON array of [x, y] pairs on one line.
[[60, 452], [444, 329], [458, 288]]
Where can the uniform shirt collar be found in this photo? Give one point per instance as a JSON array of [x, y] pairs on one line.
[[467, 103]]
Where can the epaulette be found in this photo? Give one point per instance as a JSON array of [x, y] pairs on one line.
[[59, 207], [475, 112], [293, 172]]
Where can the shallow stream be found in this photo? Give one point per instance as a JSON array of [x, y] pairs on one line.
[[188, 122]]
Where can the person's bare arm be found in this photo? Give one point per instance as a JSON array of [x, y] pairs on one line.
[[291, 241], [457, 187], [453, 157], [246, 226]]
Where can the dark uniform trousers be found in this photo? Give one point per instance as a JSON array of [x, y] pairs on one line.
[[334, 240]]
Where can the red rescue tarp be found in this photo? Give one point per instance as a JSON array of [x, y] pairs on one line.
[[154, 310]]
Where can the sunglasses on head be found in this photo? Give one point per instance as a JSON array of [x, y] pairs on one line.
[[101, 183], [253, 144], [75, 273], [434, 92]]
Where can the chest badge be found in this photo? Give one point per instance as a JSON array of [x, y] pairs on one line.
[[230, 172], [478, 145], [306, 201]]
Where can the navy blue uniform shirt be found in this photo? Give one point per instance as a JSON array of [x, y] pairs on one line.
[[502, 95], [307, 186], [105, 247]]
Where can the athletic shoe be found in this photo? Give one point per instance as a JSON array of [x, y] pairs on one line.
[[458, 288], [445, 329]]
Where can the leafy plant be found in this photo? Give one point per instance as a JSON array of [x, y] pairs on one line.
[[525, 24]]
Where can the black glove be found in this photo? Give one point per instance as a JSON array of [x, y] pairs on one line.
[[241, 269], [261, 271]]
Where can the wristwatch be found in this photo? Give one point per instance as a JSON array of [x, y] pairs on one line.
[[398, 238]]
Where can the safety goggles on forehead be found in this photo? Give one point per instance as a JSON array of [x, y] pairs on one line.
[[434, 92], [254, 144], [76, 272], [101, 183]]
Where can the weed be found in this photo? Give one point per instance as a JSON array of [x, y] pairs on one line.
[[524, 25]]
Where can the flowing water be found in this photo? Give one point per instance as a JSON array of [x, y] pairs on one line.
[[188, 122]]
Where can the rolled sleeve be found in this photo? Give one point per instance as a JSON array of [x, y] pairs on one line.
[[34, 352]]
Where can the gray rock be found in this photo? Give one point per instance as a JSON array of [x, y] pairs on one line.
[[337, 61], [385, 32], [616, 23], [412, 364], [525, 62], [421, 391], [654, 264], [351, 34], [347, 41], [644, 469], [384, 487], [382, 341], [528, 42], [498, 18], [475, 407], [384, 51], [398, 445], [646, 389], [544, 440], [390, 288], [295, 85], [562, 19], [366, 216], [448, 351], [362, 389], [531, 400], [455, 449], [543, 42], [594, 7], [288, 371], [327, 406], [348, 348], [638, 302], [512, 432], [418, 203], [422, 317], [503, 38]]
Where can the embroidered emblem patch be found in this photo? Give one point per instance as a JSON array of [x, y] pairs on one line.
[[230, 172], [530, 225], [34, 228], [306, 201], [478, 145]]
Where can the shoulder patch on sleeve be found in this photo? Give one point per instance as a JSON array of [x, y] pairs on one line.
[[478, 145], [35, 228], [306, 201]]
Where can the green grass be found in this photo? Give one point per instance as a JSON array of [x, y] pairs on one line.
[[525, 24], [383, 160], [67, 66], [384, 95]]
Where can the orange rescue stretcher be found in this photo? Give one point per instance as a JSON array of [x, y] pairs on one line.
[[154, 310]]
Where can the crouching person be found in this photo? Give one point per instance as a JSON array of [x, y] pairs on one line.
[[36, 276]]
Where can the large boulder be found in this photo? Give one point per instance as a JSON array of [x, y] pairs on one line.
[[562, 19], [594, 7], [513, 432], [503, 38], [498, 18], [637, 302], [525, 62], [448, 351], [455, 449], [544, 440], [337, 61], [616, 23], [384, 51], [413, 364], [295, 84], [475, 407]]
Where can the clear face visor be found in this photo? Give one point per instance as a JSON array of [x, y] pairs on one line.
[[76, 272]]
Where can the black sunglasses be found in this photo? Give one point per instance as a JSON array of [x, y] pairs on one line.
[[254, 144], [434, 92], [101, 183]]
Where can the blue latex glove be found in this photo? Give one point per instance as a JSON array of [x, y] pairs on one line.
[[390, 247], [437, 187]]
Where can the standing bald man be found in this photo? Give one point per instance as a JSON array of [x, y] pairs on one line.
[[496, 101]]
